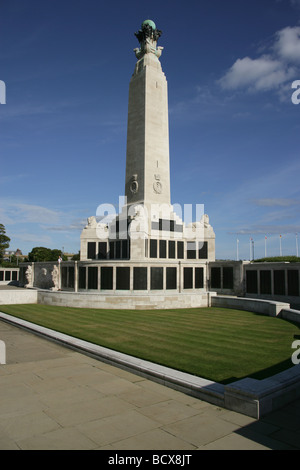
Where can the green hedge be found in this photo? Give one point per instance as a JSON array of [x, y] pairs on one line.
[[276, 259]]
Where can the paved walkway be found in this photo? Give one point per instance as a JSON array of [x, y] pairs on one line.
[[54, 398]]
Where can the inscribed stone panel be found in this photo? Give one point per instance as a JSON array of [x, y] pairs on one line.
[[93, 277], [202, 250], [251, 282], [188, 278], [118, 249], [102, 250], [265, 282], [172, 249], [199, 278], [156, 278], [125, 249], [215, 280], [171, 281], [180, 250], [64, 277], [293, 282], [140, 278], [162, 248], [153, 248], [106, 277], [91, 251], [71, 277], [123, 278], [279, 281], [82, 277], [228, 277]]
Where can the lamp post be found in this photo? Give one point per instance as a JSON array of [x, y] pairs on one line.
[[280, 248], [265, 247]]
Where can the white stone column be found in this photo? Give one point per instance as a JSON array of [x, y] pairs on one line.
[[76, 276], [147, 156]]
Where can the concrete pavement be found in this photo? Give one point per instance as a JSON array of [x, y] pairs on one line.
[[52, 398]]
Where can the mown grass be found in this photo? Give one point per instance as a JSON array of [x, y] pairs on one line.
[[219, 344]]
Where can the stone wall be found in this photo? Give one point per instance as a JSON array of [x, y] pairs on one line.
[[118, 275], [274, 281], [124, 301], [266, 281], [265, 307], [18, 296], [226, 277], [270, 281]]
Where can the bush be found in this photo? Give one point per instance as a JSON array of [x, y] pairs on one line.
[[276, 259]]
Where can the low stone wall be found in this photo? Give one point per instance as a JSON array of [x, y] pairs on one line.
[[18, 296], [291, 315], [266, 307], [161, 300], [257, 398]]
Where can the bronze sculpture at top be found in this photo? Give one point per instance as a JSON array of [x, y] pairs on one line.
[[148, 36]]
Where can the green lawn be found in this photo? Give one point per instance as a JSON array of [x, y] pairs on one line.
[[219, 344]]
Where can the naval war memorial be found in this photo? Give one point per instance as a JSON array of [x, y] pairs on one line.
[[147, 257]]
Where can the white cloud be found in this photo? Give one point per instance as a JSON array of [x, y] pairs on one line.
[[269, 71], [287, 45], [268, 229], [263, 73], [16, 212], [76, 226], [281, 202], [27, 237]]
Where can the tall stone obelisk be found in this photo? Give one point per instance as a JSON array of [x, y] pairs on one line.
[[147, 228], [147, 158]]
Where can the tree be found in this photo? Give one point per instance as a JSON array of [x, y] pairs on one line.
[[40, 253], [4, 241], [76, 257]]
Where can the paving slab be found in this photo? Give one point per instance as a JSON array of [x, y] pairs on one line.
[[52, 397]]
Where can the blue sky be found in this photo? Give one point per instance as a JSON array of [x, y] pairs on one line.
[[234, 130]]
